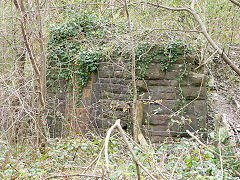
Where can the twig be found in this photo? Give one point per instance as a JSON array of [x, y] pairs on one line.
[[167, 29], [204, 31], [237, 173], [174, 169], [71, 175], [138, 171], [30, 53], [192, 4], [106, 144], [133, 71], [97, 158], [220, 151], [235, 2], [200, 159], [199, 142], [208, 59], [131, 150]]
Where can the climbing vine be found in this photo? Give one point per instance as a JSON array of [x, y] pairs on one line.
[[71, 57], [165, 55]]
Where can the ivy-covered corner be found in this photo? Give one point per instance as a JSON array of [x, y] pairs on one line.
[[74, 52]]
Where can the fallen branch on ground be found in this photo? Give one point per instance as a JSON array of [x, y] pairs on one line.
[[71, 175], [94, 161], [199, 141], [118, 125]]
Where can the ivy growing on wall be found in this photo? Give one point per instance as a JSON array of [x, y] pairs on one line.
[[165, 54], [71, 57], [75, 49]]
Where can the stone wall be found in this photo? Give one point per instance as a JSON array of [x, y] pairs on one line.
[[65, 117], [108, 97], [111, 96]]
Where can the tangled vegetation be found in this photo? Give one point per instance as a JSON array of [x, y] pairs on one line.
[[182, 160], [74, 50]]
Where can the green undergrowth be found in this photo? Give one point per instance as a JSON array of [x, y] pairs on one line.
[[183, 159]]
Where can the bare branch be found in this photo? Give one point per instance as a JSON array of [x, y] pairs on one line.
[[199, 142], [220, 152], [118, 125], [106, 144], [21, 11], [95, 160], [32, 58], [133, 70], [235, 2], [204, 30], [192, 4], [163, 7], [214, 45], [71, 175]]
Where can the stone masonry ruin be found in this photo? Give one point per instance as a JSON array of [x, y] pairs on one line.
[[111, 93], [172, 101]]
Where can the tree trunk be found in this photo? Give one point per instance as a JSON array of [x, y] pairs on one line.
[[19, 75], [133, 69], [22, 16]]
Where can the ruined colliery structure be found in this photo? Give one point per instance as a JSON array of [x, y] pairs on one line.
[[169, 101]]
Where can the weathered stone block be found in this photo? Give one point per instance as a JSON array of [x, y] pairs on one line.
[[160, 96], [127, 75], [116, 104], [190, 92], [158, 130], [114, 88], [105, 73], [114, 96], [154, 72], [118, 74], [104, 65], [182, 59], [158, 139], [197, 79], [175, 67], [171, 75], [193, 79], [163, 82], [162, 109], [200, 107], [114, 81], [198, 122], [162, 120], [142, 85], [170, 104], [163, 89]]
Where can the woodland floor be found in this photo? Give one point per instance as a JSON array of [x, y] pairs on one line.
[[224, 98]]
